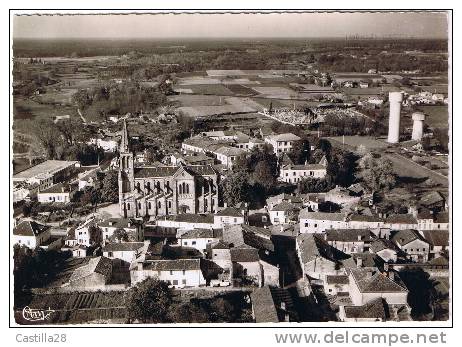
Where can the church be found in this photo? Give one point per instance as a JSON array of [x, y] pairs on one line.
[[151, 191]]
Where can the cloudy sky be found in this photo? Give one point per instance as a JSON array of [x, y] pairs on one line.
[[231, 25]]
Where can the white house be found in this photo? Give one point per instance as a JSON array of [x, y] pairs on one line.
[[179, 273], [368, 284], [283, 142], [227, 155], [318, 222], [132, 227], [229, 216], [125, 251], [200, 238], [295, 173], [30, 234], [283, 213], [341, 196], [187, 221], [82, 232], [335, 284], [413, 244], [108, 144], [59, 192]]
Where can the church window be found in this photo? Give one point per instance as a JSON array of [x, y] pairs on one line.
[[128, 206], [159, 204], [148, 186], [139, 205], [180, 189], [187, 189], [149, 205]]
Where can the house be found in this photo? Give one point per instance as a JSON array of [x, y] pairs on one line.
[[385, 249], [295, 173], [318, 222], [350, 240], [284, 213], [97, 273], [133, 229], [88, 233], [246, 265], [317, 258], [179, 273], [438, 240], [239, 235], [363, 221], [441, 221], [363, 84], [227, 155], [59, 192], [363, 260], [200, 238], [87, 179], [272, 305], [335, 284], [284, 197], [368, 284], [373, 311], [106, 143], [47, 173], [230, 216], [401, 222], [341, 196], [124, 251], [31, 234], [313, 201], [282, 142], [413, 244], [433, 200], [187, 221]]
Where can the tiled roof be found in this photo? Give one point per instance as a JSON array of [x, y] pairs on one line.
[[305, 167], [364, 218], [123, 246], [403, 237], [306, 214], [101, 265], [230, 211], [174, 265], [118, 223], [263, 306], [220, 245], [284, 137], [202, 234], [349, 235], [381, 244], [442, 217], [372, 281], [244, 254], [437, 237], [312, 247], [59, 188], [337, 279], [373, 309], [29, 228], [191, 218], [284, 206], [401, 219]]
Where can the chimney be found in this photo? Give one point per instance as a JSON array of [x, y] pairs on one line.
[[391, 275], [62, 189], [129, 224], [359, 262]]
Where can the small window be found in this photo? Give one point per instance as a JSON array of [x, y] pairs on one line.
[[193, 243], [183, 281], [171, 272], [175, 282], [184, 272], [185, 243]]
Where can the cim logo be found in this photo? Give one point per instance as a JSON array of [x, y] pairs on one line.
[[34, 315]]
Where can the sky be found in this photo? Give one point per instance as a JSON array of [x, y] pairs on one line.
[[420, 25]]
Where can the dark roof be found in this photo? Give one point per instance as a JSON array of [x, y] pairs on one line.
[[202, 234], [263, 306], [101, 265], [312, 246], [424, 213], [305, 213], [29, 228], [230, 211], [59, 188], [122, 246], [375, 282], [442, 217], [284, 206], [174, 265], [220, 245], [349, 235], [191, 218], [367, 260], [403, 237], [437, 237], [401, 219], [381, 244], [432, 198], [118, 223], [373, 309], [364, 218], [244, 254], [165, 171]]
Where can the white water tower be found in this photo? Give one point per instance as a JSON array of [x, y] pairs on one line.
[[417, 127], [395, 99]]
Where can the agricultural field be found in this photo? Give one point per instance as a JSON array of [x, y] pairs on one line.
[[437, 116], [197, 100], [77, 307]]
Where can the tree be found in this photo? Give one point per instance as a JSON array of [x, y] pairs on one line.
[[235, 187], [149, 301], [188, 313], [119, 235], [110, 186], [301, 151], [222, 310], [263, 175], [377, 173], [96, 234]]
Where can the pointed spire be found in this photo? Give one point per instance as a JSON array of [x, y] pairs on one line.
[[124, 141]]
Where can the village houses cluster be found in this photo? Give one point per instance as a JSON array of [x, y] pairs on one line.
[[173, 225]]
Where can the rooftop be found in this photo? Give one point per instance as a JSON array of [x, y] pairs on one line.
[[29, 228], [49, 166], [174, 265], [123, 246], [101, 265], [403, 237], [349, 235], [264, 309], [372, 281], [306, 214], [283, 137]]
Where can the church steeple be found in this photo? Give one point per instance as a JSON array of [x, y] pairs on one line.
[[124, 148]]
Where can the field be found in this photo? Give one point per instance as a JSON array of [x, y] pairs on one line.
[[437, 116], [77, 307], [353, 142]]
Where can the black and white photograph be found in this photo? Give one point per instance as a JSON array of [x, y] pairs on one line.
[[253, 168]]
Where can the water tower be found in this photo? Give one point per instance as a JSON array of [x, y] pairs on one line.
[[395, 99], [417, 127]]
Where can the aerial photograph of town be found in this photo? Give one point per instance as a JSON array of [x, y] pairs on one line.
[[230, 168]]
